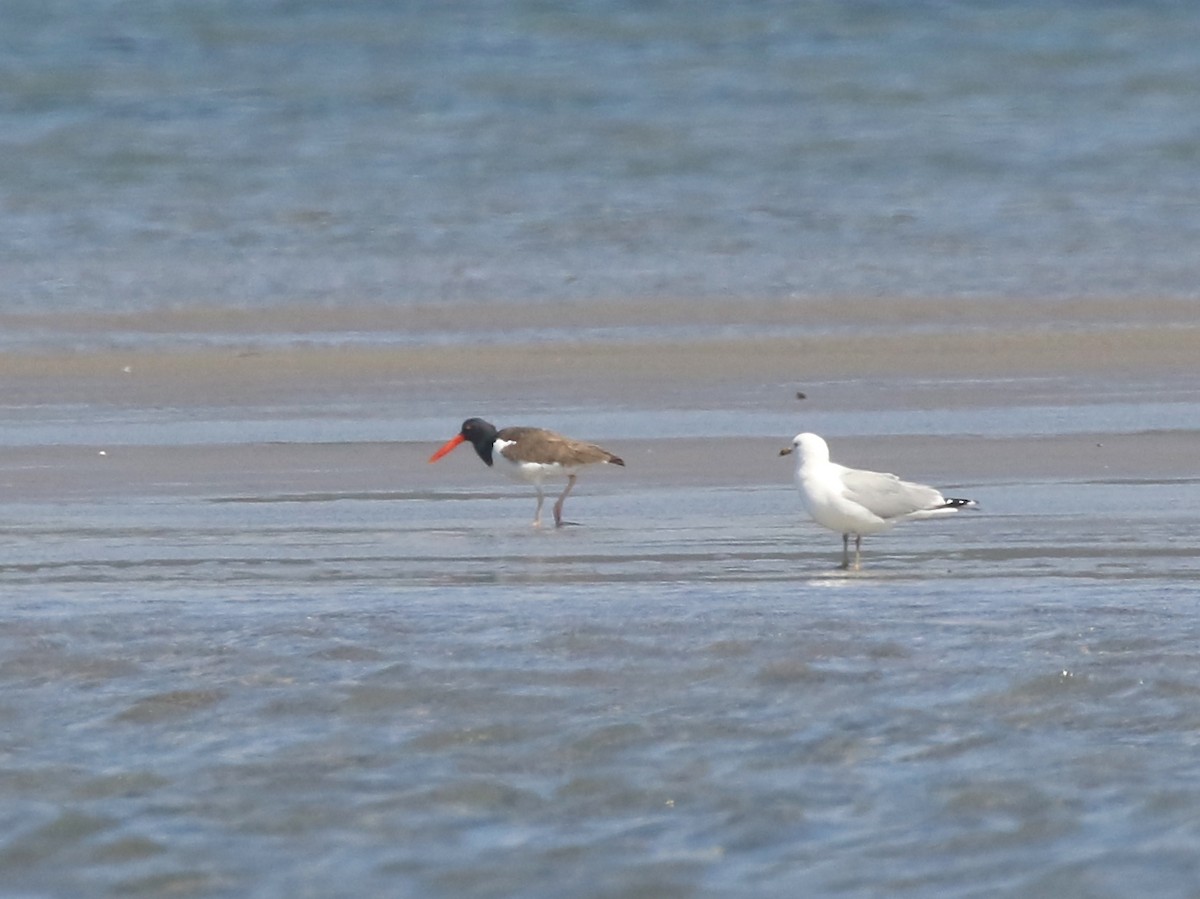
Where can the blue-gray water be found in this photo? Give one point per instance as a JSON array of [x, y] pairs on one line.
[[254, 153], [252, 644], [415, 694]]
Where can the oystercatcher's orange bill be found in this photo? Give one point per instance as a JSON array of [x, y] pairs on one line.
[[449, 445]]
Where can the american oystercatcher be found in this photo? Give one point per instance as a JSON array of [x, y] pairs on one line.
[[531, 455], [854, 501]]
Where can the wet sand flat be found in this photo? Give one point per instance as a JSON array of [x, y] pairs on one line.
[[292, 415], [57, 473], [1143, 351]]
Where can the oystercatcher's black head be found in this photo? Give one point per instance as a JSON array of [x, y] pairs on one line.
[[481, 435]]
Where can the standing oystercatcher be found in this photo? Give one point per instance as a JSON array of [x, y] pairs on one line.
[[855, 501], [531, 455]]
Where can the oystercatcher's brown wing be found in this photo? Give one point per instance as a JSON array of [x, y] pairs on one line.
[[540, 445]]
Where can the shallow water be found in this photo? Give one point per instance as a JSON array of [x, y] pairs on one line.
[[414, 693]]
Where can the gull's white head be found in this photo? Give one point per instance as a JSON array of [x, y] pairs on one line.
[[808, 448]]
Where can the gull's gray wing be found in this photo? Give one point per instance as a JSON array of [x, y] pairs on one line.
[[887, 496]]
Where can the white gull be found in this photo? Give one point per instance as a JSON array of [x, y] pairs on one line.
[[858, 502]]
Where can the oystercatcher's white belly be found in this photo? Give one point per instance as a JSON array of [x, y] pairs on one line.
[[526, 472]]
